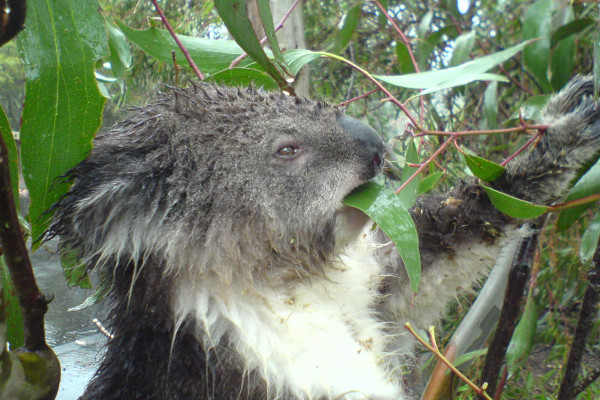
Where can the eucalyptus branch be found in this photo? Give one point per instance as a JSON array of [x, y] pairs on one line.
[[434, 349], [32, 301], [184, 50], [358, 98], [575, 203]]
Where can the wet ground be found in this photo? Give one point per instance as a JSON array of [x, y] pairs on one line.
[[74, 337]]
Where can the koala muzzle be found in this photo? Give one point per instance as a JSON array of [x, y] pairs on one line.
[[371, 147]]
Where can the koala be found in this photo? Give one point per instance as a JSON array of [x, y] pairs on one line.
[[215, 215]]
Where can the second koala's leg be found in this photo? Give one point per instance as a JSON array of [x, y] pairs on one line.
[[462, 234]]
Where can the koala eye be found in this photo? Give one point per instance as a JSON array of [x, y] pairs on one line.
[[288, 152]]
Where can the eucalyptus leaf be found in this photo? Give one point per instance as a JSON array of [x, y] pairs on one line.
[[346, 27], [536, 25], [210, 55], [587, 185], [388, 211], [408, 194], [455, 76], [297, 58], [234, 15], [523, 336], [243, 77], [462, 48], [429, 182], [487, 171], [63, 106], [10, 302], [589, 239], [514, 207], [490, 105], [13, 162]]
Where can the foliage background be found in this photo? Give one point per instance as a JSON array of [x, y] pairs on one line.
[[441, 36]]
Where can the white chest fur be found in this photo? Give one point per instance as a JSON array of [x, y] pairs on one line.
[[317, 339]]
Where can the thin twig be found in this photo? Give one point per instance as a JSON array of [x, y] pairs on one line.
[[264, 39], [184, 50], [439, 151], [102, 329], [433, 348], [358, 98]]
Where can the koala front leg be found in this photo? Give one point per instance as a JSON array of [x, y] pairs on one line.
[[461, 234]]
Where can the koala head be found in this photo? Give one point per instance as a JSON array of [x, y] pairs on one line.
[[222, 176]]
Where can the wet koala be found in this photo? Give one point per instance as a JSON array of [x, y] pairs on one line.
[[215, 215]]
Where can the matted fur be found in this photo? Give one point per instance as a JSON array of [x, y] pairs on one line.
[[237, 273]]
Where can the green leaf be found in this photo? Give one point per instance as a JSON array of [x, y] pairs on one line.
[[429, 182], [63, 107], [462, 48], [589, 239], [523, 336], [455, 76], [563, 54], [243, 77], [346, 27], [13, 161], [490, 105], [424, 47], [514, 207], [266, 18], [233, 13], [563, 62], [532, 108], [408, 194], [569, 29], [74, 270], [210, 55], [384, 207], [381, 16], [405, 63], [537, 24], [297, 58], [588, 185], [487, 171], [15, 334], [120, 54]]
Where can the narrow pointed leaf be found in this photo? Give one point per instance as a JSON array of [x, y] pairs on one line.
[[523, 336], [384, 207], [346, 27], [297, 58], [408, 195], [233, 13], [589, 239], [210, 55], [10, 302], [429, 182], [243, 77], [13, 163], [587, 185], [485, 170], [455, 76], [514, 207], [264, 9], [63, 106], [536, 25]]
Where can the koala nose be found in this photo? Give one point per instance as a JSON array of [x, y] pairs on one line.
[[372, 147]]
